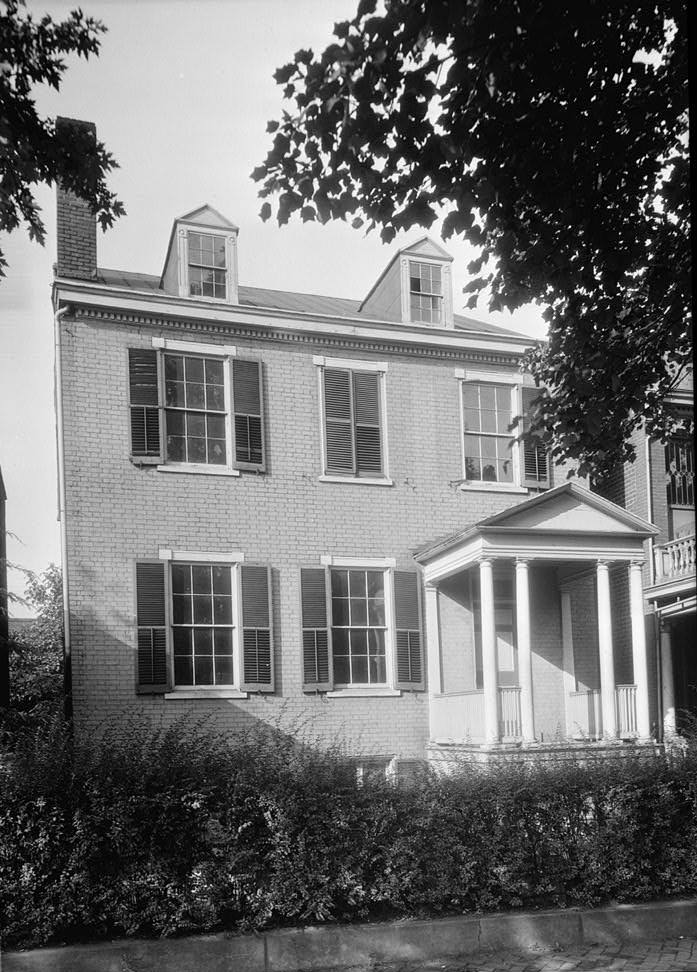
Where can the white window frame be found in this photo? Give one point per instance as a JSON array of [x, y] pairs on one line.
[[195, 349], [471, 377], [232, 559], [353, 364], [231, 290], [446, 320], [386, 565]]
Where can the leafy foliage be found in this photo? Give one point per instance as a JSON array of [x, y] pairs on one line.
[[32, 149], [172, 831], [555, 137], [36, 655]]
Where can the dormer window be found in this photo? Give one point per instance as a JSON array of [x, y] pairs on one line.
[[425, 292], [201, 261], [207, 265]]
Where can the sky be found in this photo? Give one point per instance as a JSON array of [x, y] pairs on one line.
[[181, 93]]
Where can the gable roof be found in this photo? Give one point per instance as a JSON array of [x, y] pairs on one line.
[[207, 216], [437, 252], [569, 509], [262, 297]]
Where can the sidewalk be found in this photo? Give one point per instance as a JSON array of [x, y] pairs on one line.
[[675, 955]]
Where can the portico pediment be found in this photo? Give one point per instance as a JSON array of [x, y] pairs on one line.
[[565, 523]]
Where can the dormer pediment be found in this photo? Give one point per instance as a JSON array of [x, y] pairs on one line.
[[201, 261], [415, 287]]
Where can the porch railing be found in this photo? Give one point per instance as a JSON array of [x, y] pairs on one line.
[[458, 717], [585, 718], [585, 712], [625, 708], [674, 559], [509, 713]]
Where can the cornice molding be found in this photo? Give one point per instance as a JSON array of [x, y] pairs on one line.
[[279, 334]]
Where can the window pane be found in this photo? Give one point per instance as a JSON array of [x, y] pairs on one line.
[[376, 583], [473, 468], [174, 368], [342, 671], [176, 448], [201, 576], [217, 453], [176, 423], [181, 609], [222, 610], [183, 670], [195, 395], [203, 641], [339, 583], [196, 449], [219, 247], [223, 670], [182, 642], [223, 642], [196, 425], [181, 579], [222, 583], [357, 583], [376, 611], [194, 369], [359, 611], [340, 611], [215, 397], [359, 669], [203, 669], [216, 426], [203, 609], [174, 393]]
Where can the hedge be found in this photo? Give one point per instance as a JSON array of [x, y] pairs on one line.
[[172, 831]]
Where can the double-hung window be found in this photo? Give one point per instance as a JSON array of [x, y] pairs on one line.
[[204, 624], [207, 266], [680, 477], [494, 415], [196, 407], [361, 627], [358, 627], [353, 420], [425, 292]]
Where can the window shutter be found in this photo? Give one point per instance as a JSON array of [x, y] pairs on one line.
[[153, 667], [366, 406], [534, 461], [248, 409], [338, 420], [255, 624], [317, 661], [145, 404], [409, 656]]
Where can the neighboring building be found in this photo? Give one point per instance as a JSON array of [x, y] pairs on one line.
[[256, 486]]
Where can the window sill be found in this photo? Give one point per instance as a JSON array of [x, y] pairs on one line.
[[356, 480], [206, 693], [482, 487], [193, 469], [364, 693]]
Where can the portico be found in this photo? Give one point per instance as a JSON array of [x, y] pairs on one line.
[[530, 616]]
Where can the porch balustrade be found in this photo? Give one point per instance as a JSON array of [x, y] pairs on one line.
[[675, 559], [458, 717], [585, 713], [510, 724], [625, 701]]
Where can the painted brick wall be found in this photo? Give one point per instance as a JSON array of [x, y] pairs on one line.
[[118, 513]]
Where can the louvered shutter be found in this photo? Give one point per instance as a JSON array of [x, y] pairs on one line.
[[534, 461], [338, 420], [153, 667], [248, 398], [409, 655], [366, 410], [144, 403], [257, 645], [317, 661]]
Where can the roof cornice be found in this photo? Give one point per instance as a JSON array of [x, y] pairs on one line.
[[109, 304]]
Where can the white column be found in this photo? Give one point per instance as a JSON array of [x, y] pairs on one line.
[[641, 676], [667, 683], [489, 668], [522, 600], [435, 676], [607, 661], [567, 649]]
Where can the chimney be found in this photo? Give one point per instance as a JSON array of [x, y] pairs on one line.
[[76, 223]]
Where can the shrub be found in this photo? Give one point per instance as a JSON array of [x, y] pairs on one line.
[[172, 831]]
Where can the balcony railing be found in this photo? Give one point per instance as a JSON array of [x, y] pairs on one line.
[[458, 717], [675, 559], [625, 709]]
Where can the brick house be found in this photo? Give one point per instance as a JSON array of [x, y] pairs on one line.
[[307, 512]]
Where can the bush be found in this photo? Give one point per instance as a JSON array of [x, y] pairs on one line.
[[172, 831]]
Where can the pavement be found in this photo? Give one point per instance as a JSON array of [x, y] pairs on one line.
[[674, 955]]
